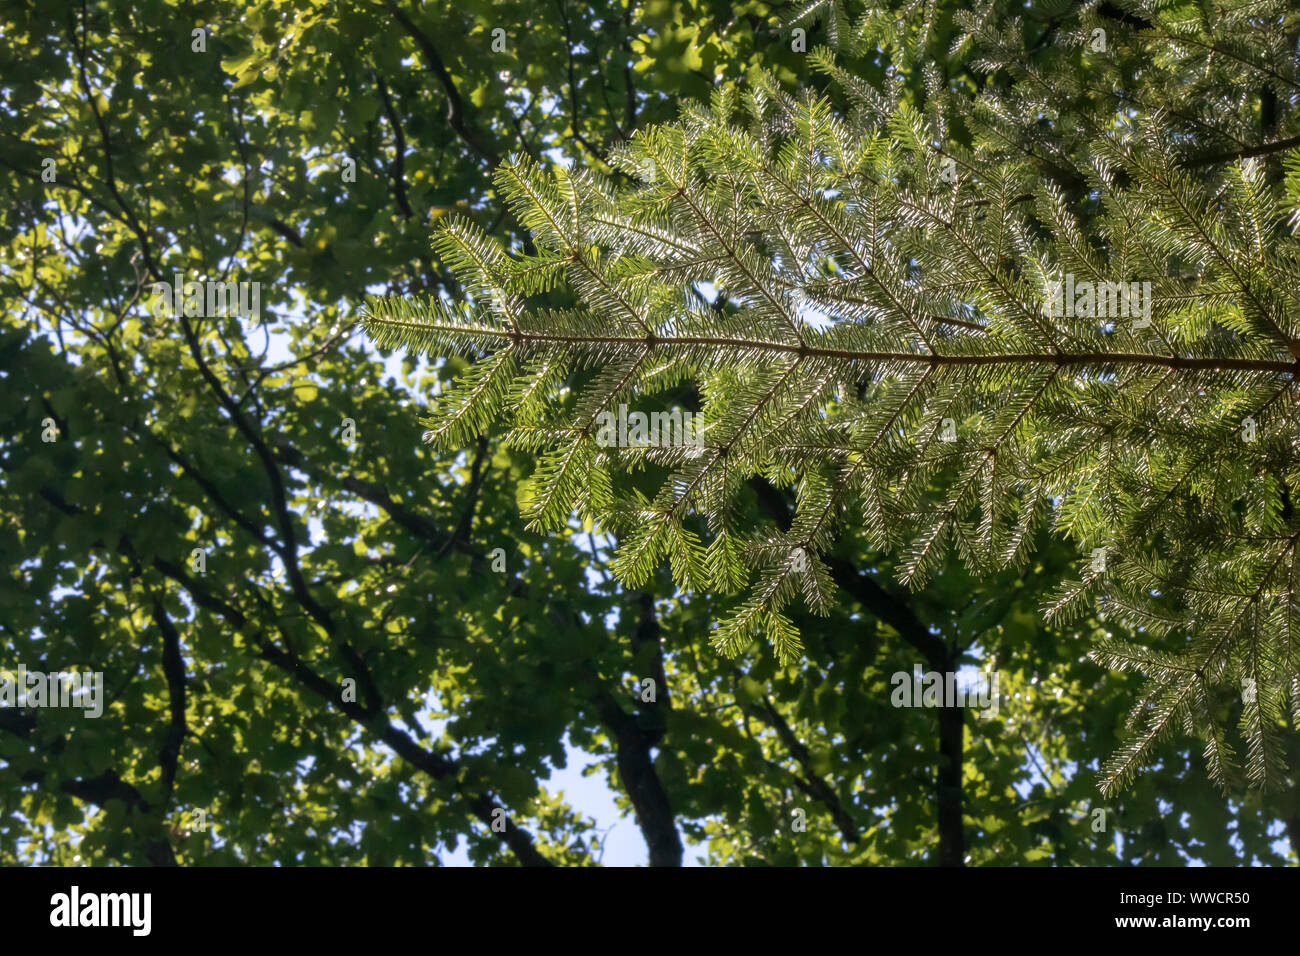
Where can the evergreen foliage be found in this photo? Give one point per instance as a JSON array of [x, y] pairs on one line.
[[855, 280]]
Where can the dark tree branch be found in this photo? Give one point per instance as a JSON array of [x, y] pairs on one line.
[[1047, 359], [519, 841], [17, 722], [573, 85], [459, 537], [636, 769], [106, 142], [288, 548], [1262, 150], [399, 149], [635, 735], [98, 790], [1113, 11], [455, 105], [939, 657], [813, 784], [174, 670], [646, 636], [413, 522], [435, 765], [368, 715], [629, 115], [895, 612], [196, 475], [287, 231]]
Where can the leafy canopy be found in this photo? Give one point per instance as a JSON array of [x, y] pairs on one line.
[[882, 342], [232, 158]]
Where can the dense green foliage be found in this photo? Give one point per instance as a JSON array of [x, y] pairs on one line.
[[335, 552], [942, 402]]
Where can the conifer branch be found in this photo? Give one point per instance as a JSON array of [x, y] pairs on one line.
[[1063, 325]]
